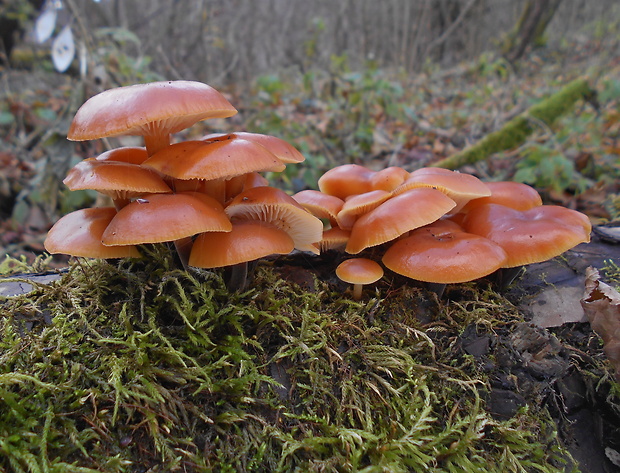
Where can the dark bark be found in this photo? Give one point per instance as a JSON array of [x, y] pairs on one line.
[[530, 28]]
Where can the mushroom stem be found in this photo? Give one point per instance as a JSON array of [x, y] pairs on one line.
[[357, 291], [238, 278], [183, 248], [506, 276], [154, 143], [120, 203], [437, 288]]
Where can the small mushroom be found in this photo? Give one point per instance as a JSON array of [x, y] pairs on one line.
[[359, 271]]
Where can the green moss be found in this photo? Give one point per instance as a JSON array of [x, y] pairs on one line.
[[142, 365]]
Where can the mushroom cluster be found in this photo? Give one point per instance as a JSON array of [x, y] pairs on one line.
[[439, 226], [207, 196]]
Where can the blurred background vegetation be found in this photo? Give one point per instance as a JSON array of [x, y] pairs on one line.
[[396, 82]]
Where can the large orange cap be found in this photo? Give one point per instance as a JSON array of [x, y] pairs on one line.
[[458, 186], [398, 215], [515, 195], [210, 160], [119, 180], [285, 151], [274, 206], [165, 217], [248, 241], [529, 236], [438, 255], [79, 234], [348, 179], [154, 110]]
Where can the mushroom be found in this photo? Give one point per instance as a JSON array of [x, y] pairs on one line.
[[157, 218], [388, 179], [285, 151], [154, 111], [529, 236], [121, 181], [213, 162], [125, 154], [360, 204], [359, 271], [460, 187], [319, 204], [442, 253], [515, 195], [79, 234], [348, 179], [274, 206], [398, 215], [248, 241]]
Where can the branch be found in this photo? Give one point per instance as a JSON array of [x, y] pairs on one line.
[[516, 131]]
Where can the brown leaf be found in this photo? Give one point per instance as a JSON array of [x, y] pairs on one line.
[[601, 304]]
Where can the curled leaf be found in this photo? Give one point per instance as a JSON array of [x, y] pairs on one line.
[[601, 303]]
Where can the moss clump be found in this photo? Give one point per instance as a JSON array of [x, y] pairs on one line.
[[134, 366]]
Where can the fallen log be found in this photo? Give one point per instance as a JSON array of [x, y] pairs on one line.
[[516, 131]]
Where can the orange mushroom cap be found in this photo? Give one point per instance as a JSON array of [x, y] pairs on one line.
[[79, 234], [284, 151], [343, 181], [119, 180], [388, 179], [209, 160], [274, 206], [529, 236], [334, 239], [437, 254], [360, 204], [248, 241], [398, 215], [460, 187], [154, 110], [359, 271], [319, 204], [515, 195], [165, 217], [125, 154]]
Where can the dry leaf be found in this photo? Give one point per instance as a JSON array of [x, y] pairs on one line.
[[601, 304]]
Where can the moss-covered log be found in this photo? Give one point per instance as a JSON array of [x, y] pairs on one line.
[[516, 131]]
